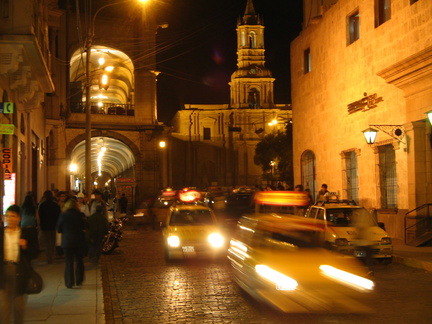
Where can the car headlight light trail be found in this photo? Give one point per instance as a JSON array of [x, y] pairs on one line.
[[281, 281], [347, 278]]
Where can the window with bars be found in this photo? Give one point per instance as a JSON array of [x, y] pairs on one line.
[[308, 172], [387, 176], [351, 175]]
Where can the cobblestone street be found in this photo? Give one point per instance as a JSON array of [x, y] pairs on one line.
[[139, 287]]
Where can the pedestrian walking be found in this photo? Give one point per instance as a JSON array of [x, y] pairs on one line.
[[97, 227], [18, 246], [98, 201], [29, 212], [82, 205], [49, 212], [72, 226]]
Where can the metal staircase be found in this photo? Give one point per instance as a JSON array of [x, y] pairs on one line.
[[418, 226]]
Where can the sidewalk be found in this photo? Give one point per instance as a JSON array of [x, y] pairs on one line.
[[58, 304], [415, 257]]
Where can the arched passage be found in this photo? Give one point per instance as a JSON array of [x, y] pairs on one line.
[[112, 155]]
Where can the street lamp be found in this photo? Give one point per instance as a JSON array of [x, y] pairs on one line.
[[88, 83], [429, 114], [370, 135], [395, 131]]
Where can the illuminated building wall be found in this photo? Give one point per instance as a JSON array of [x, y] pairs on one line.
[[358, 65]]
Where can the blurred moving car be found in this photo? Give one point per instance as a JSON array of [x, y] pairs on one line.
[[239, 201], [275, 260], [161, 207], [350, 228], [192, 229], [214, 198]]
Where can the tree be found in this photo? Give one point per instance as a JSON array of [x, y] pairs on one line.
[[276, 147]]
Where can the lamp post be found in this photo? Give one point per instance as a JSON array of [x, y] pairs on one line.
[[88, 83]]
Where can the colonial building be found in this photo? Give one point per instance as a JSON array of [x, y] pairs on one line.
[[357, 65], [59, 114], [218, 141]]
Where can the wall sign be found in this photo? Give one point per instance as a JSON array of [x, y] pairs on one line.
[[6, 107], [7, 163], [364, 104], [7, 129]]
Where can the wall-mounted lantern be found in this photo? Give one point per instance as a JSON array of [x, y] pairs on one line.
[[429, 114], [395, 131], [370, 135]]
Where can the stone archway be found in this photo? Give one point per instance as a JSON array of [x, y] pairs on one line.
[[119, 158]]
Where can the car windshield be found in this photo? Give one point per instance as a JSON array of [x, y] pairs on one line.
[[349, 217], [191, 217]]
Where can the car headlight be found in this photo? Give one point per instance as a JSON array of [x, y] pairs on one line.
[[216, 240], [173, 241], [386, 240], [341, 242], [281, 281]]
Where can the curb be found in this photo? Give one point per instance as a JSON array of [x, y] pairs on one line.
[[413, 263]]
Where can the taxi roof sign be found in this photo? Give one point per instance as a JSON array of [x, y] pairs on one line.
[[282, 198], [189, 196]]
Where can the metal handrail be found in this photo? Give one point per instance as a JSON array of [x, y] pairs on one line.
[[423, 219]]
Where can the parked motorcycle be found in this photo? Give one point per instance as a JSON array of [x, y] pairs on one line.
[[114, 235]]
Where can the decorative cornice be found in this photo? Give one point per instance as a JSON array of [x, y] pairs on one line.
[[414, 69]]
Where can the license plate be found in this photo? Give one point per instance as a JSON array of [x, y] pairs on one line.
[[188, 249], [360, 253]]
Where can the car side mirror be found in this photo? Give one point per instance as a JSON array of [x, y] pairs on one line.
[[382, 225]]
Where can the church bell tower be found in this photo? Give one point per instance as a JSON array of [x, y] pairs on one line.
[[251, 86]]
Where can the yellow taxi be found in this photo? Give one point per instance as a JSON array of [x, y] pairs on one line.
[[276, 260], [351, 229], [192, 229]]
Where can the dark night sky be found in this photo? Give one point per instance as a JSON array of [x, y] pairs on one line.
[[197, 52]]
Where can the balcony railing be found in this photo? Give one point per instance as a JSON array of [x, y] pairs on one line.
[[106, 108], [418, 225]]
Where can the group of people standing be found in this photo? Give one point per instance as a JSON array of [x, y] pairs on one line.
[[61, 224]]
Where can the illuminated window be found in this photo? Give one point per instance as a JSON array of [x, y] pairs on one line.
[[207, 133], [354, 27], [307, 61], [252, 40], [382, 11]]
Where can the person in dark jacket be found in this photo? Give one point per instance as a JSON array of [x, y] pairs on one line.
[[97, 227], [49, 212], [17, 248], [72, 226]]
